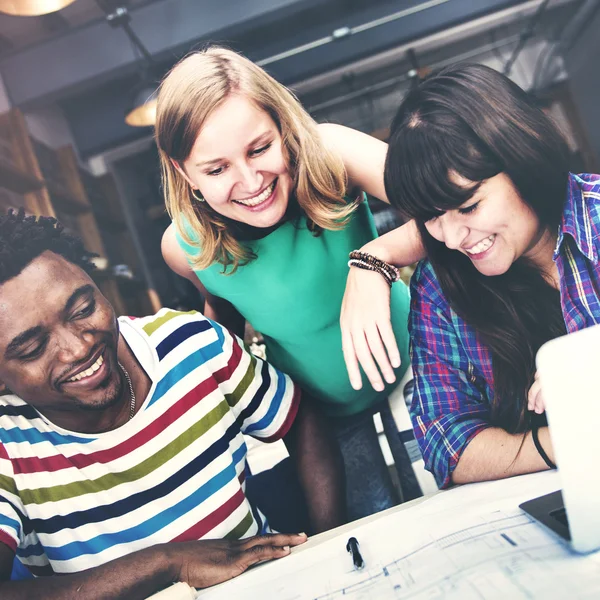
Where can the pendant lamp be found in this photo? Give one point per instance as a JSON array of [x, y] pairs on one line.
[[142, 110], [32, 8]]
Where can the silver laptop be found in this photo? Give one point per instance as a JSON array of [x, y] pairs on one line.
[[569, 369]]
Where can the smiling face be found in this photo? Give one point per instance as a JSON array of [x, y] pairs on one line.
[[58, 343], [238, 165], [493, 228]]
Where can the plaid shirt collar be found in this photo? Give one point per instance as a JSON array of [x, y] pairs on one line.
[[576, 215]]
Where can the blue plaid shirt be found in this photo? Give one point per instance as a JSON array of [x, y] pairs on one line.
[[454, 385]]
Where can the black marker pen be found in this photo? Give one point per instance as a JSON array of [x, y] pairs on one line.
[[357, 559]]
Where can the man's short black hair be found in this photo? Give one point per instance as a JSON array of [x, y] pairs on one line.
[[23, 238]]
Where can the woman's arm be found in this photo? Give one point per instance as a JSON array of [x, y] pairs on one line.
[[363, 157], [450, 412], [496, 454], [215, 308], [367, 334], [364, 160], [449, 408], [402, 246]]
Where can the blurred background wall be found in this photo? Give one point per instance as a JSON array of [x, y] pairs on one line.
[[68, 78]]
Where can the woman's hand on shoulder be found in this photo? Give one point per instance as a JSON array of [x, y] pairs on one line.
[[362, 154], [367, 335]]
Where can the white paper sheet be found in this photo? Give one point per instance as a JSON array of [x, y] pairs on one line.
[[470, 542], [177, 591]]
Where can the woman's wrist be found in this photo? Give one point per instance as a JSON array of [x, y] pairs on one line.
[[369, 262], [378, 250]]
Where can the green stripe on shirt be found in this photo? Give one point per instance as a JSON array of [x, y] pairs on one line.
[[151, 327], [106, 482]]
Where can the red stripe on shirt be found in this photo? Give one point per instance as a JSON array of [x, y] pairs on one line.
[[291, 416], [58, 462], [200, 529], [6, 539], [225, 373], [3, 452]]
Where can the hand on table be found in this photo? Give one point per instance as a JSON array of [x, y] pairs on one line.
[[208, 562], [535, 399], [367, 332]]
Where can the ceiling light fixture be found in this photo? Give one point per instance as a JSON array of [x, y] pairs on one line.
[[141, 111], [32, 8], [142, 108]]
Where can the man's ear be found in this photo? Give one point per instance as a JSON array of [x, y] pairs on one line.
[[3, 389]]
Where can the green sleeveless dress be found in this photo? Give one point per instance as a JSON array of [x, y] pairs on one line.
[[292, 293]]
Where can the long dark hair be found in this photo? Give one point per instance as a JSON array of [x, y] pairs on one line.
[[470, 120]]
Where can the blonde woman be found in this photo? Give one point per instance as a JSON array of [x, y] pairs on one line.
[[266, 207]]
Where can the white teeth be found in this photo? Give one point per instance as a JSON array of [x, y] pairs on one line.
[[258, 199], [481, 246], [89, 371]]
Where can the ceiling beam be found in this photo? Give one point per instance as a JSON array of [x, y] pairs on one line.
[[97, 53], [89, 70]]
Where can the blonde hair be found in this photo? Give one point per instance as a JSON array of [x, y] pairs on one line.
[[189, 93]]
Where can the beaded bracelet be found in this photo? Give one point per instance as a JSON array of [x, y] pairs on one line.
[[363, 265], [393, 271], [389, 278], [363, 260]]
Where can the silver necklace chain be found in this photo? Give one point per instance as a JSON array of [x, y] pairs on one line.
[[132, 403]]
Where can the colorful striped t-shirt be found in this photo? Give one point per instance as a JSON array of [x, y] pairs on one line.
[[175, 472]]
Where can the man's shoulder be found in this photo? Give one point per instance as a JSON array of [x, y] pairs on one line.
[[164, 316], [172, 327], [20, 424]]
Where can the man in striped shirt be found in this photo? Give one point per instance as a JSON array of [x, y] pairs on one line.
[[121, 449]]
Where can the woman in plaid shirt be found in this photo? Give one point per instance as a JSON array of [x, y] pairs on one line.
[[513, 241]]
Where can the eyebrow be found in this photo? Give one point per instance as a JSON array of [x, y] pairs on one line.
[[22, 339], [34, 332], [214, 161], [84, 290]]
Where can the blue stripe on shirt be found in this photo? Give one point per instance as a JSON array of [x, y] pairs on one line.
[[181, 335], [156, 523], [273, 407], [34, 436], [114, 510]]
